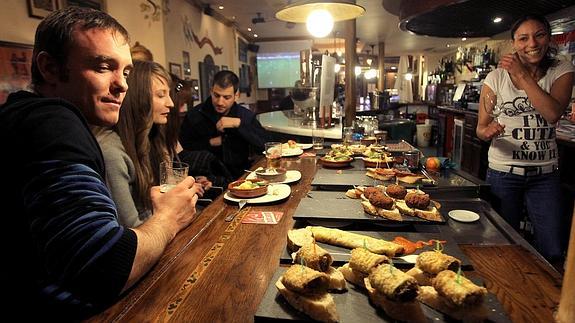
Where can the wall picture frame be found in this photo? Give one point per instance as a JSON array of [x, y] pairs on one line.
[[15, 65], [94, 4], [186, 63], [242, 51], [41, 8], [176, 69]]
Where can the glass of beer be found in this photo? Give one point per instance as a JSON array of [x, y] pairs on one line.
[[273, 154], [172, 173]]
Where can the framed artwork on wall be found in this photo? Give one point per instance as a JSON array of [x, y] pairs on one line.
[[15, 64], [40, 9], [176, 69], [186, 63], [242, 51], [94, 4]]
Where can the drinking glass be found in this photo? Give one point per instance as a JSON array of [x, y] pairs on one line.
[[495, 111], [273, 154], [347, 135], [172, 173], [317, 138]]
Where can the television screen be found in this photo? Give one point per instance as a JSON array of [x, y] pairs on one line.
[[277, 70]]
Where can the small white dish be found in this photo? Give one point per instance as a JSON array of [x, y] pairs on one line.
[[276, 192], [291, 176], [305, 146], [463, 215], [292, 152]]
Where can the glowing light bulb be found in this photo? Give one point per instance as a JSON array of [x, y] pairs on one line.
[[319, 23], [337, 67], [370, 74], [408, 76], [357, 70]]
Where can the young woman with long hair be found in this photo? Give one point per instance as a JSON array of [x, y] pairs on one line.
[[134, 148]]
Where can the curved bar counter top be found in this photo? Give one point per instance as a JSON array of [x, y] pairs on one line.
[[286, 122]]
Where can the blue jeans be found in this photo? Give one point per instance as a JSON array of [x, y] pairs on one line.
[[541, 195]]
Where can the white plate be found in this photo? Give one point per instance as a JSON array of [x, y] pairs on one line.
[[276, 192], [305, 146], [292, 152], [291, 176], [463, 215]]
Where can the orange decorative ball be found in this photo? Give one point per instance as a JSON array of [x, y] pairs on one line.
[[432, 163]]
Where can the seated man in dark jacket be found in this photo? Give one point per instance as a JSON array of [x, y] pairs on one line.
[[223, 127], [67, 256]]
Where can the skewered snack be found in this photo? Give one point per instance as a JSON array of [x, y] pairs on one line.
[[304, 280], [393, 283], [298, 238], [417, 203], [409, 311], [429, 263], [434, 262], [455, 296], [353, 240], [320, 306], [396, 191], [379, 204], [395, 292], [458, 290], [382, 174], [364, 261], [314, 257]]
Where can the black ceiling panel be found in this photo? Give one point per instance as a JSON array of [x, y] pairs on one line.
[[474, 18]]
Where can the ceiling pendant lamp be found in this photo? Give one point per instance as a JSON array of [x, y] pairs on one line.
[[319, 16]]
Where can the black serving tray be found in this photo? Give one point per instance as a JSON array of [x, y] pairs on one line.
[[353, 306]]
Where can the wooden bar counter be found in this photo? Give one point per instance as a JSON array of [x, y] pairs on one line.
[[217, 271]]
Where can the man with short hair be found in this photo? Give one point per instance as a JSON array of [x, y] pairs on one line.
[[66, 255], [223, 127]]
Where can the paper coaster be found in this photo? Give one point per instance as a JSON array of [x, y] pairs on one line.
[[259, 217]]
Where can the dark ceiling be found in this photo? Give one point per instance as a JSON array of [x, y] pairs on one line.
[[471, 18]]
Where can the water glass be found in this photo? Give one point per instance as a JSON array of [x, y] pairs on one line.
[[273, 154], [172, 173], [347, 135], [317, 138]]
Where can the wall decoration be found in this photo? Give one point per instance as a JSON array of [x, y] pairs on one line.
[[193, 38], [40, 9], [186, 63], [15, 64], [151, 10], [176, 69], [94, 4], [207, 71], [242, 51]]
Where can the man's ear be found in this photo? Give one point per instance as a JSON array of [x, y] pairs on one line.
[[48, 67], [237, 95]]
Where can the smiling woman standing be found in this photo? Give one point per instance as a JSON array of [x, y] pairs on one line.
[[134, 148], [531, 88]]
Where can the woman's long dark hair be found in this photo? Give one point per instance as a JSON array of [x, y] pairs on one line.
[[143, 140], [549, 59]]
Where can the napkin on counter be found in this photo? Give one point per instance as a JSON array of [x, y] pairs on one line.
[[263, 217]]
